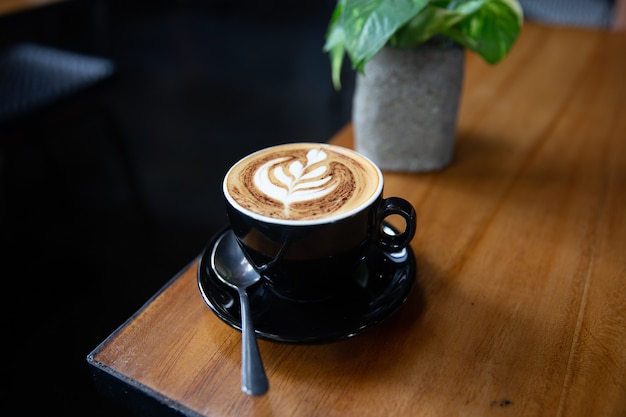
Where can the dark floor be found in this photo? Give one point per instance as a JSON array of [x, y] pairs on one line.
[[199, 84]]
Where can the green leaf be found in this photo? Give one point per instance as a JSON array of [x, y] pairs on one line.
[[490, 31], [433, 20], [360, 28]]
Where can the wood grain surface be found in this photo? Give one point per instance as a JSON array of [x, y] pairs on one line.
[[520, 300]]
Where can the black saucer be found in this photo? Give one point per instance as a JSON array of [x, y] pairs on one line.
[[381, 286]]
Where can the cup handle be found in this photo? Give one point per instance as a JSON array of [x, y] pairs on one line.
[[401, 207]]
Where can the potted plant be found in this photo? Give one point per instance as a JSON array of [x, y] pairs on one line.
[[409, 57]]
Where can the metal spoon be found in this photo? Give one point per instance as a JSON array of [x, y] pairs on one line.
[[232, 268]]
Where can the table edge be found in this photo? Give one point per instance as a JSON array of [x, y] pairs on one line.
[[128, 392]]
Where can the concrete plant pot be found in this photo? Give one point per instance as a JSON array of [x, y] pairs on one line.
[[405, 107]]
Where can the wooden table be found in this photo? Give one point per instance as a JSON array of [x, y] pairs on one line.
[[520, 299], [14, 6]]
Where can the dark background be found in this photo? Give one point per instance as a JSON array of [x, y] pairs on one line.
[[198, 85]]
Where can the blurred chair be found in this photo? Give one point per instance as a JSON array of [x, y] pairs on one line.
[[45, 89], [34, 77]]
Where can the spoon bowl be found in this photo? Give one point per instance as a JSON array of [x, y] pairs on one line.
[[230, 265], [234, 270]]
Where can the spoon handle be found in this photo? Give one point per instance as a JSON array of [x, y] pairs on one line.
[[253, 378]]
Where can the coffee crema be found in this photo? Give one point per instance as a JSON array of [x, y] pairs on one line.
[[302, 181]]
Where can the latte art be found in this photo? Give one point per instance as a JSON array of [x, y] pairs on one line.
[[304, 181], [295, 182]]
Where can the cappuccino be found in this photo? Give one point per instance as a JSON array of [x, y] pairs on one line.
[[302, 182]]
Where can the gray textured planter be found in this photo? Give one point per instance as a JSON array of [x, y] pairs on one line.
[[405, 107]]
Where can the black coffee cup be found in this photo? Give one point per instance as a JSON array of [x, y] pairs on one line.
[[313, 259]]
